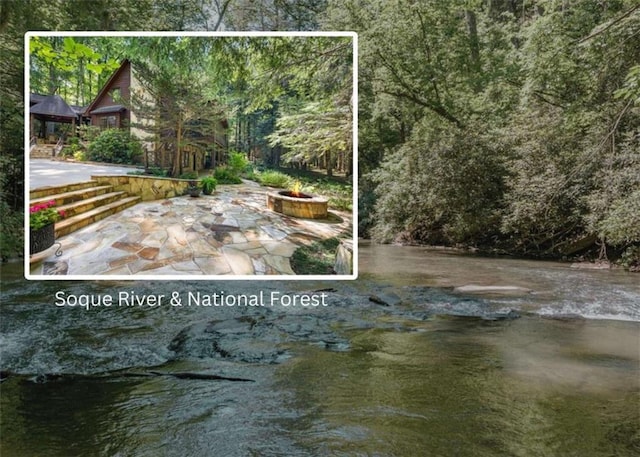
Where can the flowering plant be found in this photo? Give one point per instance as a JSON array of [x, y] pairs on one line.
[[42, 214]]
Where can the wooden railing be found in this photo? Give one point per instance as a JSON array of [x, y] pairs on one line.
[[58, 147]]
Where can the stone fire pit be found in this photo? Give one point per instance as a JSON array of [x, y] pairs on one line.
[[298, 204]]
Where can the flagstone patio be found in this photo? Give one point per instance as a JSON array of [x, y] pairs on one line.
[[228, 233]]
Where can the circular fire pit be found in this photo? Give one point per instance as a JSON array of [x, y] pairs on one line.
[[297, 204]]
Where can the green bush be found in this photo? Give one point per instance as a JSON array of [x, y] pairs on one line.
[[157, 171], [67, 151], [238, 163], [89, 132], [80, 156], [274, 179], [189, 175], [73, 150], [208, 184], [115, 146], [224, 175]]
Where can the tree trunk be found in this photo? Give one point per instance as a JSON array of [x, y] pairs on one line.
[[177, 164], [474, 46]]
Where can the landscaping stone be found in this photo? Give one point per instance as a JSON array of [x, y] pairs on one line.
[[229, 233]]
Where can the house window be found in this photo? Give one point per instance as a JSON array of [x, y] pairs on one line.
[[108, 122], [115, 94]]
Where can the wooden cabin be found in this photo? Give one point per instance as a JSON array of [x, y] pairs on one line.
[[112, 108]]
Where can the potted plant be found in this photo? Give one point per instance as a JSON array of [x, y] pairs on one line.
[[208, 184], [193, 189], [42, 217]]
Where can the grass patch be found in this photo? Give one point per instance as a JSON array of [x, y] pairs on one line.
[[316, 259]]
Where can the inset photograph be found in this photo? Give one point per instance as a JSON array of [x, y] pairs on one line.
[[190, 156]]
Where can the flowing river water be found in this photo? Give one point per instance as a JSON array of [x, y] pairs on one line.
[[427, 353]]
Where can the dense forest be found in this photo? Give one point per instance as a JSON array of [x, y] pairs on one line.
[[511, 126]]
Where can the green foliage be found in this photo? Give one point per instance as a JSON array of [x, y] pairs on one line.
[[74, 149], [316, 259], [115, 146], [631, 88], [238, 163], [540, 154], [208, 184], [274, 178], [80, 156], [156, 171], [366, 205], [11, 233], [42, 214], [89, 132], [449, 190], [189, 175], [225, 175], [630, 258]]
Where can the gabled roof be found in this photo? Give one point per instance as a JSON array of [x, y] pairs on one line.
[[104, 89], [53, 105]]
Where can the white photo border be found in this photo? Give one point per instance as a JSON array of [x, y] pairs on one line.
[[29, 276]]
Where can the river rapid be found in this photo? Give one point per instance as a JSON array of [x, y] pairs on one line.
[[427, 353]]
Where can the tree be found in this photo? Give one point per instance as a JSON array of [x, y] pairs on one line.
[[175, 107]]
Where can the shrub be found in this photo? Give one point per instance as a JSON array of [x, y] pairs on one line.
[[224, 175], [73, 149], [208, 184], [115, 146], [238, 163], [89, 132], [80, 156], [189, 175], [274, 179], [157, 171], [67, 151]]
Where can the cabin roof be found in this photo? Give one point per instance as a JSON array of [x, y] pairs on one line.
[[108, 109], [36, 98], [53, 105]]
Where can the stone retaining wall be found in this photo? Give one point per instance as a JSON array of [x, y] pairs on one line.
[[147, 187]]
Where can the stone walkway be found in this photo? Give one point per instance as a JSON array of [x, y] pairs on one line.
[[229, 233]]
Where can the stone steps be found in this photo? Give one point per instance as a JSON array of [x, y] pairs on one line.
[[42, 151], [41, 192], [82, 206], [83, 203], [74, 195], [71, 224]]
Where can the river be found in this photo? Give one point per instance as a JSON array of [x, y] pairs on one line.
[[427, 353]]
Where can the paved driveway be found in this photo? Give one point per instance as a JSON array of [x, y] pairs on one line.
[[45, 172]]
